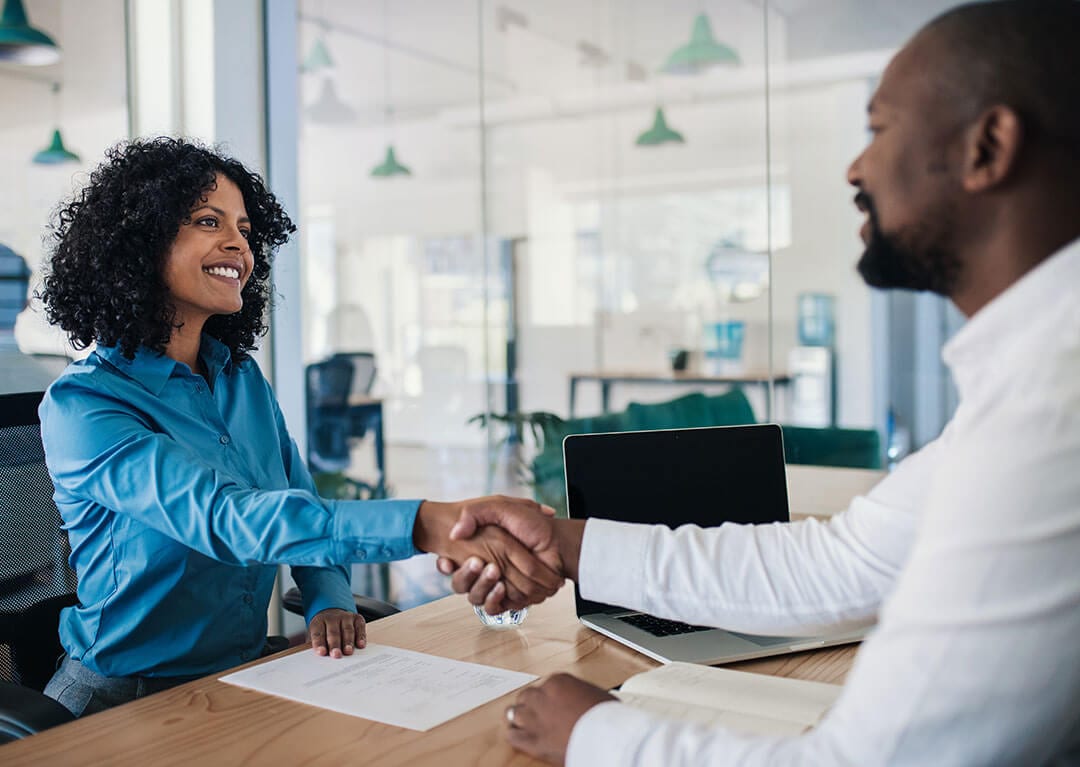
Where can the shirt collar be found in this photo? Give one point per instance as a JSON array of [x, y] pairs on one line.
[[153, 369], [1007, 318]]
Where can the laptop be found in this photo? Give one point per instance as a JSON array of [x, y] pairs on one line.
[[675, 477]]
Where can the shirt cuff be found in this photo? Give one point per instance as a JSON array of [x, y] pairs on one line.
[[374, 531], [606, 548], [323, 588], [608, 733]]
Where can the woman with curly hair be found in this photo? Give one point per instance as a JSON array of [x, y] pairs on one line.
[[175, 475]]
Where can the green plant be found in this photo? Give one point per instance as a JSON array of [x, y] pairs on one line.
[[545, 431]]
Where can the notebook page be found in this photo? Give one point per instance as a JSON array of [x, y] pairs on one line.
[[755, 695], [732, 720]]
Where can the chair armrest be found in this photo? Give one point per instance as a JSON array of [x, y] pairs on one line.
[[370, 609], [25, 712]]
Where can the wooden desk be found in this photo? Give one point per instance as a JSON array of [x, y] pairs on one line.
[[209, 723], [607, 378]]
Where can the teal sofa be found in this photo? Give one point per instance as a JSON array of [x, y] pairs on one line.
[[854, 448]]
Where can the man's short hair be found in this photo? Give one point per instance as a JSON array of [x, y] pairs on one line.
[[1024, 54]]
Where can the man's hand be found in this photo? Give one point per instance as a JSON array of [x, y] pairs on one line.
[[336, 632], [541, 720], [528, 578], [556, 542]]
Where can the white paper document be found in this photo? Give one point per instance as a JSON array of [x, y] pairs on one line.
[[385, 684]]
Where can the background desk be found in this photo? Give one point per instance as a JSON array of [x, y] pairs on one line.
[[607, 378]]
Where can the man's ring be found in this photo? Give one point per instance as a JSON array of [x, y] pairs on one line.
[[510, 715]]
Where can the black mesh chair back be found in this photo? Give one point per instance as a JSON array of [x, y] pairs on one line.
[[363, 364], [36, 581], [327, 394]]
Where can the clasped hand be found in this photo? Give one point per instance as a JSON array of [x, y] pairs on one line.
[[508, 546], [555, 543]]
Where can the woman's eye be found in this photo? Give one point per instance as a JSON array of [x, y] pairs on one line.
[[245, 233], [207, 221]]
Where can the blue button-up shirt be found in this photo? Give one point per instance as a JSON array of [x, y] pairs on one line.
[[179, 500]]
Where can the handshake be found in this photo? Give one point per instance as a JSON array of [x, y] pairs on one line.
[[505, 553]]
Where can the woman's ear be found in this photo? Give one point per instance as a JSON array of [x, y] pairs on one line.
[[992, 147]]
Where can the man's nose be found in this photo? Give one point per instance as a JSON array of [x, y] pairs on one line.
[[854, 171]]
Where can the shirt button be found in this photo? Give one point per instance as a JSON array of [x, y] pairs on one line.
[[224, 439], [248, 599], [361, 554], [245, 655]]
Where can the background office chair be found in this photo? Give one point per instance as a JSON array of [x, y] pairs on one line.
[[327, 404], [329, 429], [364, 370], [36, 582]]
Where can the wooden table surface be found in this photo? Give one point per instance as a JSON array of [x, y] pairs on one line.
[[206, 722]]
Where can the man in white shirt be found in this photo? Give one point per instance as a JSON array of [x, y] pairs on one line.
[[968, 555]]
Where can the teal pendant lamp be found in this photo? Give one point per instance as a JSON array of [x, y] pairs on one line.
[[21, 43], [56, 153], [701, 53], [318, 57], [390, 166], [660, 133]]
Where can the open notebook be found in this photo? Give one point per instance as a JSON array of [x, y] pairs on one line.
[[752, 704]]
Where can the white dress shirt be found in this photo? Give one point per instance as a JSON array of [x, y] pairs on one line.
[[968, 555]]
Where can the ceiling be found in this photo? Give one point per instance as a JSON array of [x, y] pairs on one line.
[[423, 56]]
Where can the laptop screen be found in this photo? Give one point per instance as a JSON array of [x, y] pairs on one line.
[[676, 477]]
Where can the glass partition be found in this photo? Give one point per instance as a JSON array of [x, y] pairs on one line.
[[58, 120], [864, 364], [562, 208]]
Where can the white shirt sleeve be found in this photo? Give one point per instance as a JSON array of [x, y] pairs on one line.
[[791, 579], [975, 660]]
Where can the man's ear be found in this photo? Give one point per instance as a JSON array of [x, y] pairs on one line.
[[992, 147]]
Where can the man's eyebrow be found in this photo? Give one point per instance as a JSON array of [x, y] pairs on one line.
[[219, 211]]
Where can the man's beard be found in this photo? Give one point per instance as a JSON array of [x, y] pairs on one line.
[[918, 262]]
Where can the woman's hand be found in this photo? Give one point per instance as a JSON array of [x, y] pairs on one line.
[[337, 632]]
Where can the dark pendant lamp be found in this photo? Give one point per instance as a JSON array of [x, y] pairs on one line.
[[660, 133], [21, 43], [702, 52], [55, 153], [390, 166]]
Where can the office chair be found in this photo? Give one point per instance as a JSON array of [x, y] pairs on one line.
[[330, 423], [364, 370], [329, 429], [36, 582], [327, 400]]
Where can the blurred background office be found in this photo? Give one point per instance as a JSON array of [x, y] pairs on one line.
[[506, 204]]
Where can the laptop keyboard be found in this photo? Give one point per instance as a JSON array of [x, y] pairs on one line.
[[660, 627]]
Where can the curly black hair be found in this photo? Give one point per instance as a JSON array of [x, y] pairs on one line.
[[103, 279]]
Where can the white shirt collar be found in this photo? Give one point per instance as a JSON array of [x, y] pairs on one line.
[[1008, 318]]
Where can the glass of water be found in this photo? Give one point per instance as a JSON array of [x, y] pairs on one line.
[[508, 620]]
